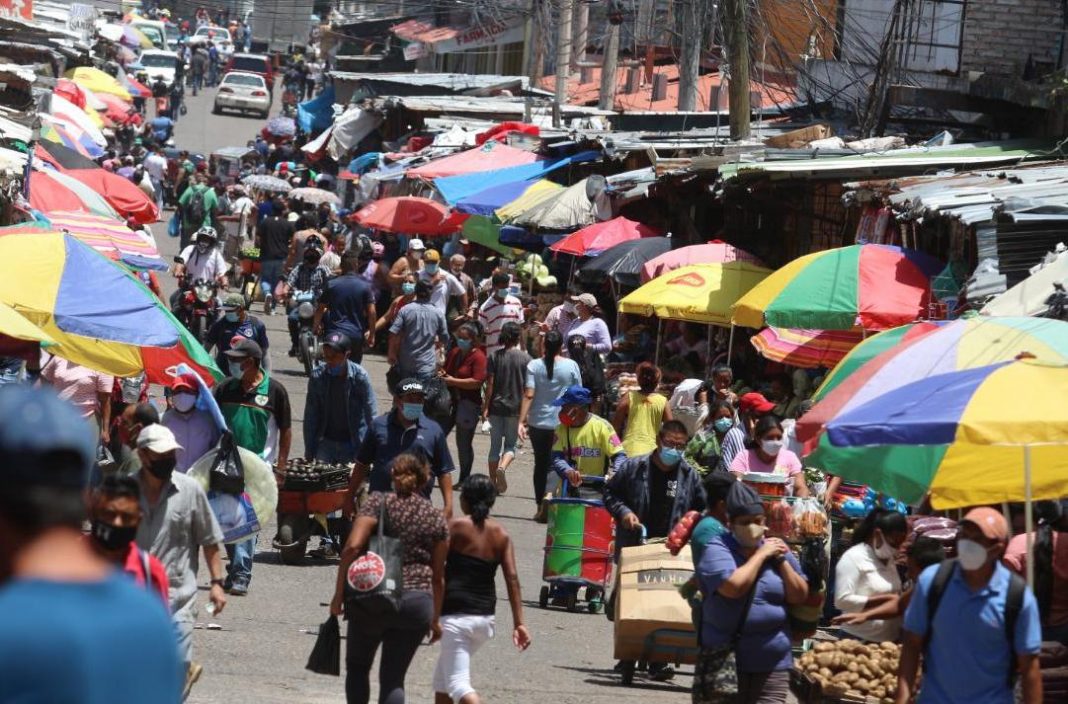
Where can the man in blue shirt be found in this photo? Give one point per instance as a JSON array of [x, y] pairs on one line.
[[75, 629], [348, 306], [235, 322], [969, 656], [162, 128], [403, 429], [340, 405]]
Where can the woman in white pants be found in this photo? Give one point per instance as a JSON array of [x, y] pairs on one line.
[[477, 546]]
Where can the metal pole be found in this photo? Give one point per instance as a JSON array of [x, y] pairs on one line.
[[730, 344], [1029, 518], [659, 330]]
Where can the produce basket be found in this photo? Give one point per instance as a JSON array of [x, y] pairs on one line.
[[766, 483], [847, 671]]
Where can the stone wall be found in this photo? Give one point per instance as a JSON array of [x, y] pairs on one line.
[[999, 35]]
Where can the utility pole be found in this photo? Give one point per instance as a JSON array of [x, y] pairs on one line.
[[563, 49], [690, 60], [580, 36], [736, 38], [609, 67]]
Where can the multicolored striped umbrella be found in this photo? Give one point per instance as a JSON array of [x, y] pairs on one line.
[[978, 436], [111, 238], [809, 349], [870, 286]]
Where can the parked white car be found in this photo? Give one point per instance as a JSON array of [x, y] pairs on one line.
[[160, 64], [243, 91], [219, 36]]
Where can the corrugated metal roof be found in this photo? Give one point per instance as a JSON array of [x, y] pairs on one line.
[[452, 81]]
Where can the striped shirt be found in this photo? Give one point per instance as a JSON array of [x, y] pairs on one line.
[[78, 385], [493, 314]]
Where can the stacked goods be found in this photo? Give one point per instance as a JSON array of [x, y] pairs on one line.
[[853, 670], [653, 621], [766, 483], [311, 475], [795, 520], [858, 500]]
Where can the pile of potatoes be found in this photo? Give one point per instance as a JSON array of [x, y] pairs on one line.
[[850, 668]]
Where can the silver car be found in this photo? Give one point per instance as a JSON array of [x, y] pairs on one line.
[[243, 91]]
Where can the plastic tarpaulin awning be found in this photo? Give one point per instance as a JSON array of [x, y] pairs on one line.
[[455, 188], [349, 129], [486, 202], [567, 210], [318, 113], [489, 157]]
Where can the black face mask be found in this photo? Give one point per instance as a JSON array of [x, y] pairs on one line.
[[162, 467], [112, 538]]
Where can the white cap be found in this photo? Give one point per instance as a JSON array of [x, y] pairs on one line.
[[293, 217], [416, 244], [157, 438]]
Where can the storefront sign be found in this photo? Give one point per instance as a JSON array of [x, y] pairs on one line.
[[414, 50], [82, 20], [487, 33]]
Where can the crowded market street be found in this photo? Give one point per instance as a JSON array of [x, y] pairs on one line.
[[259, 654]]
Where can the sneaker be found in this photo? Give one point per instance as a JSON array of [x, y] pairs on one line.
[[500, 480], [293, 351], [192, 674], [239, 589], [661, 673], [268, 305]]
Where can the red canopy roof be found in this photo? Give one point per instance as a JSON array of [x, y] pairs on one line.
[[120, 193], [489, 157], [596, 238], [408, 215]]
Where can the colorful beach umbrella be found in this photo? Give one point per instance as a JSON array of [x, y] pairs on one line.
[[120, 193], [623, 263], [97, 81], [486, 232], [13, 325], [135, 87], [594, 239], [99, 315], [407, 215], [490, 156], [52, 190], [714, 252], [870, 286], [537, 192], [487, 202], [111, 238], [58, 133], [82, 118], [808, 349], [985, 435], [134, 38], [699, 293], [910, 353]]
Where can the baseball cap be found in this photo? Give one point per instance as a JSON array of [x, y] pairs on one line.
[[233, 301], [575, 395], [36, 428], [241, 347], [586, 299], [432, 255], [416, 244], [753, 402], [990, 521], [410, 386], [339, 341], [157, 438], [185, 382]]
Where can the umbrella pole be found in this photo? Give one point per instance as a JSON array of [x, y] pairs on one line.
[[708, 354], [730, 344], [1029, 518], [659, 330]]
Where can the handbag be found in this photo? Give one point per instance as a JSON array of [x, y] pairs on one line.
[[375, 579], [174, 227], [227, 473], [325, 658], [715, 676]]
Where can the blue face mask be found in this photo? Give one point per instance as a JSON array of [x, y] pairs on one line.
[[503, 292], [236, 371], [412, 411], [463, 344], [722, 425], [670, 456], [231, 317], [335, 371], [431, 269], [407, 289]]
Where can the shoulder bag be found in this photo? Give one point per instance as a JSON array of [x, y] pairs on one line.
[[376, 578]]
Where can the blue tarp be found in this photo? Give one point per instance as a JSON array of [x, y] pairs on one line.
[[456, 188], [487, 201], [317, 114]]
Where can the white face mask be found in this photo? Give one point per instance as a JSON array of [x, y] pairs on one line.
[[886, 551], [771, 447], [183, 402], [569, 308], [971, 554], [749, 536]]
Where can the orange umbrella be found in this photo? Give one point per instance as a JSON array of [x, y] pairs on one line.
[[408, 215]]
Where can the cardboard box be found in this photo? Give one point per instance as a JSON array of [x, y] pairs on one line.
[[648, 601]]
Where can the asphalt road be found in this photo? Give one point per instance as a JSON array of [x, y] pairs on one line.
[[258, 654]]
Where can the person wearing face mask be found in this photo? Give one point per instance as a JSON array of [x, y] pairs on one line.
[[867, 576], [114, 516], [443, 285], [257, 411], [407, 296], [202, 261], [589, 325], [767, 453], [416, 335], [194, 429], [747, 582], [459, 315], [410, 263], [465, 373], [500, 308], [586, 445], [403, 430], [340, 406], [178, 521], [751, 408], [348, 307], [236, 322], [306, 277], [134, 418], [560, 318], [706, 447], [976, 624]]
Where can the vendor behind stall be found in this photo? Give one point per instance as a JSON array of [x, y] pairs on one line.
[[867, 576]]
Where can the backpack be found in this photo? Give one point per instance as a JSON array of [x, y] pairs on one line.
[[195, 209], [1013, 605]]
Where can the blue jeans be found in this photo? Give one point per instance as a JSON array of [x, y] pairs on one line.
[[198, 81], [240, 567], [504, 433], [335, 452], [270, 274]]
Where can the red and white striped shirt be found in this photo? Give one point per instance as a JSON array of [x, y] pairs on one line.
[[493, 314]]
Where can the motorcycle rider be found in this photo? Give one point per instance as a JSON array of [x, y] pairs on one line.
[[200, 261], [309, 275]]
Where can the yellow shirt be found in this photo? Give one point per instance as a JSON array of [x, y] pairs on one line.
[[643, 423], [589, 447]]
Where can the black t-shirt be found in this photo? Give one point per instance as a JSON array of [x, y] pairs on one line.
[[336, 423], [275, 234], [347, 298], [661, 500]]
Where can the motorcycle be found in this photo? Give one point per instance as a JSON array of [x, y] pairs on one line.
[[198, 308], [309, 351], [290, 98]]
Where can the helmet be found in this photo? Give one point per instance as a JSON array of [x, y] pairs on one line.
[[207, 233]]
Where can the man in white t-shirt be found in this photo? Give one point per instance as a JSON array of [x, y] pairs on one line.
[[442, 283], [156, 168], [202, 260], [242, 209]]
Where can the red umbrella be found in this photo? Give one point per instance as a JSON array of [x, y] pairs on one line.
[[120, 193], [594, 239], [408, 215], [116, 109], [71, 91], [135, 86], [714, 252]]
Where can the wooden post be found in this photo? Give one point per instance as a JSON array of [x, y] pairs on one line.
[[736, 39]]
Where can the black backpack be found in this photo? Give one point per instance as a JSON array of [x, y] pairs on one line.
[[195, 209], [1013, 605]]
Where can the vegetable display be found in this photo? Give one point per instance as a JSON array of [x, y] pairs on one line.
[[852, 669]]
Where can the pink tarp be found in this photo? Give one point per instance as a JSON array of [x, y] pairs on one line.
[[489, 157]]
